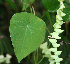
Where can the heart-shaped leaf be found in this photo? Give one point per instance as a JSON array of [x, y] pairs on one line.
[[27, 33]]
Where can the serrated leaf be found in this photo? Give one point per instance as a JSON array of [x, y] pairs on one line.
[[27, 33], [51, 5]]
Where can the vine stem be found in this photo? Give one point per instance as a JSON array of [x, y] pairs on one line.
[[48, 31], [37, 54], [33, 10], [34, 57], [40, 60]]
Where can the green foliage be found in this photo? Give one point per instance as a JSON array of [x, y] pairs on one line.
[[48, 16], [26, 3], [5, 45], [27, 33], [67, 16], [66, 10], [51, 5]]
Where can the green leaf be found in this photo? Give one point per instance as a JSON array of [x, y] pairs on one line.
[[27, 33], [66, 10], [67, 16], [51, 5], [26, 3], [48, 16]]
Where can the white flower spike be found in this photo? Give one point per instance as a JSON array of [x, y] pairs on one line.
[[57, 28]]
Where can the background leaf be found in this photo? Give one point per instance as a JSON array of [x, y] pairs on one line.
[[26, 3], [67, 16], [51, 5], [27, 33], [7, 48]]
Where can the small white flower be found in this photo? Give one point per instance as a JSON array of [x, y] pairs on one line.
[[2, 58], [58, 60], [47, 52], [56, 25], [54, 56], [44, 50], [43, 46], [57, 63], [51, 61], [59, 21], [58, 53], [59, 17], [62, 5], [53, 41], [58, 12], [55, 35], [47, 55], [53, 49], [62, 14], [56, 45], [7, 58], [58, 30]]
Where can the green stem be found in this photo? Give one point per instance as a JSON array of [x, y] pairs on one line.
[[43, 14], [49, 18], [47, 13], [40, 60], [50, 35], [49, 45], [30, 9], [37, 54], [33, 10], [48, 31], [34, 57]]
